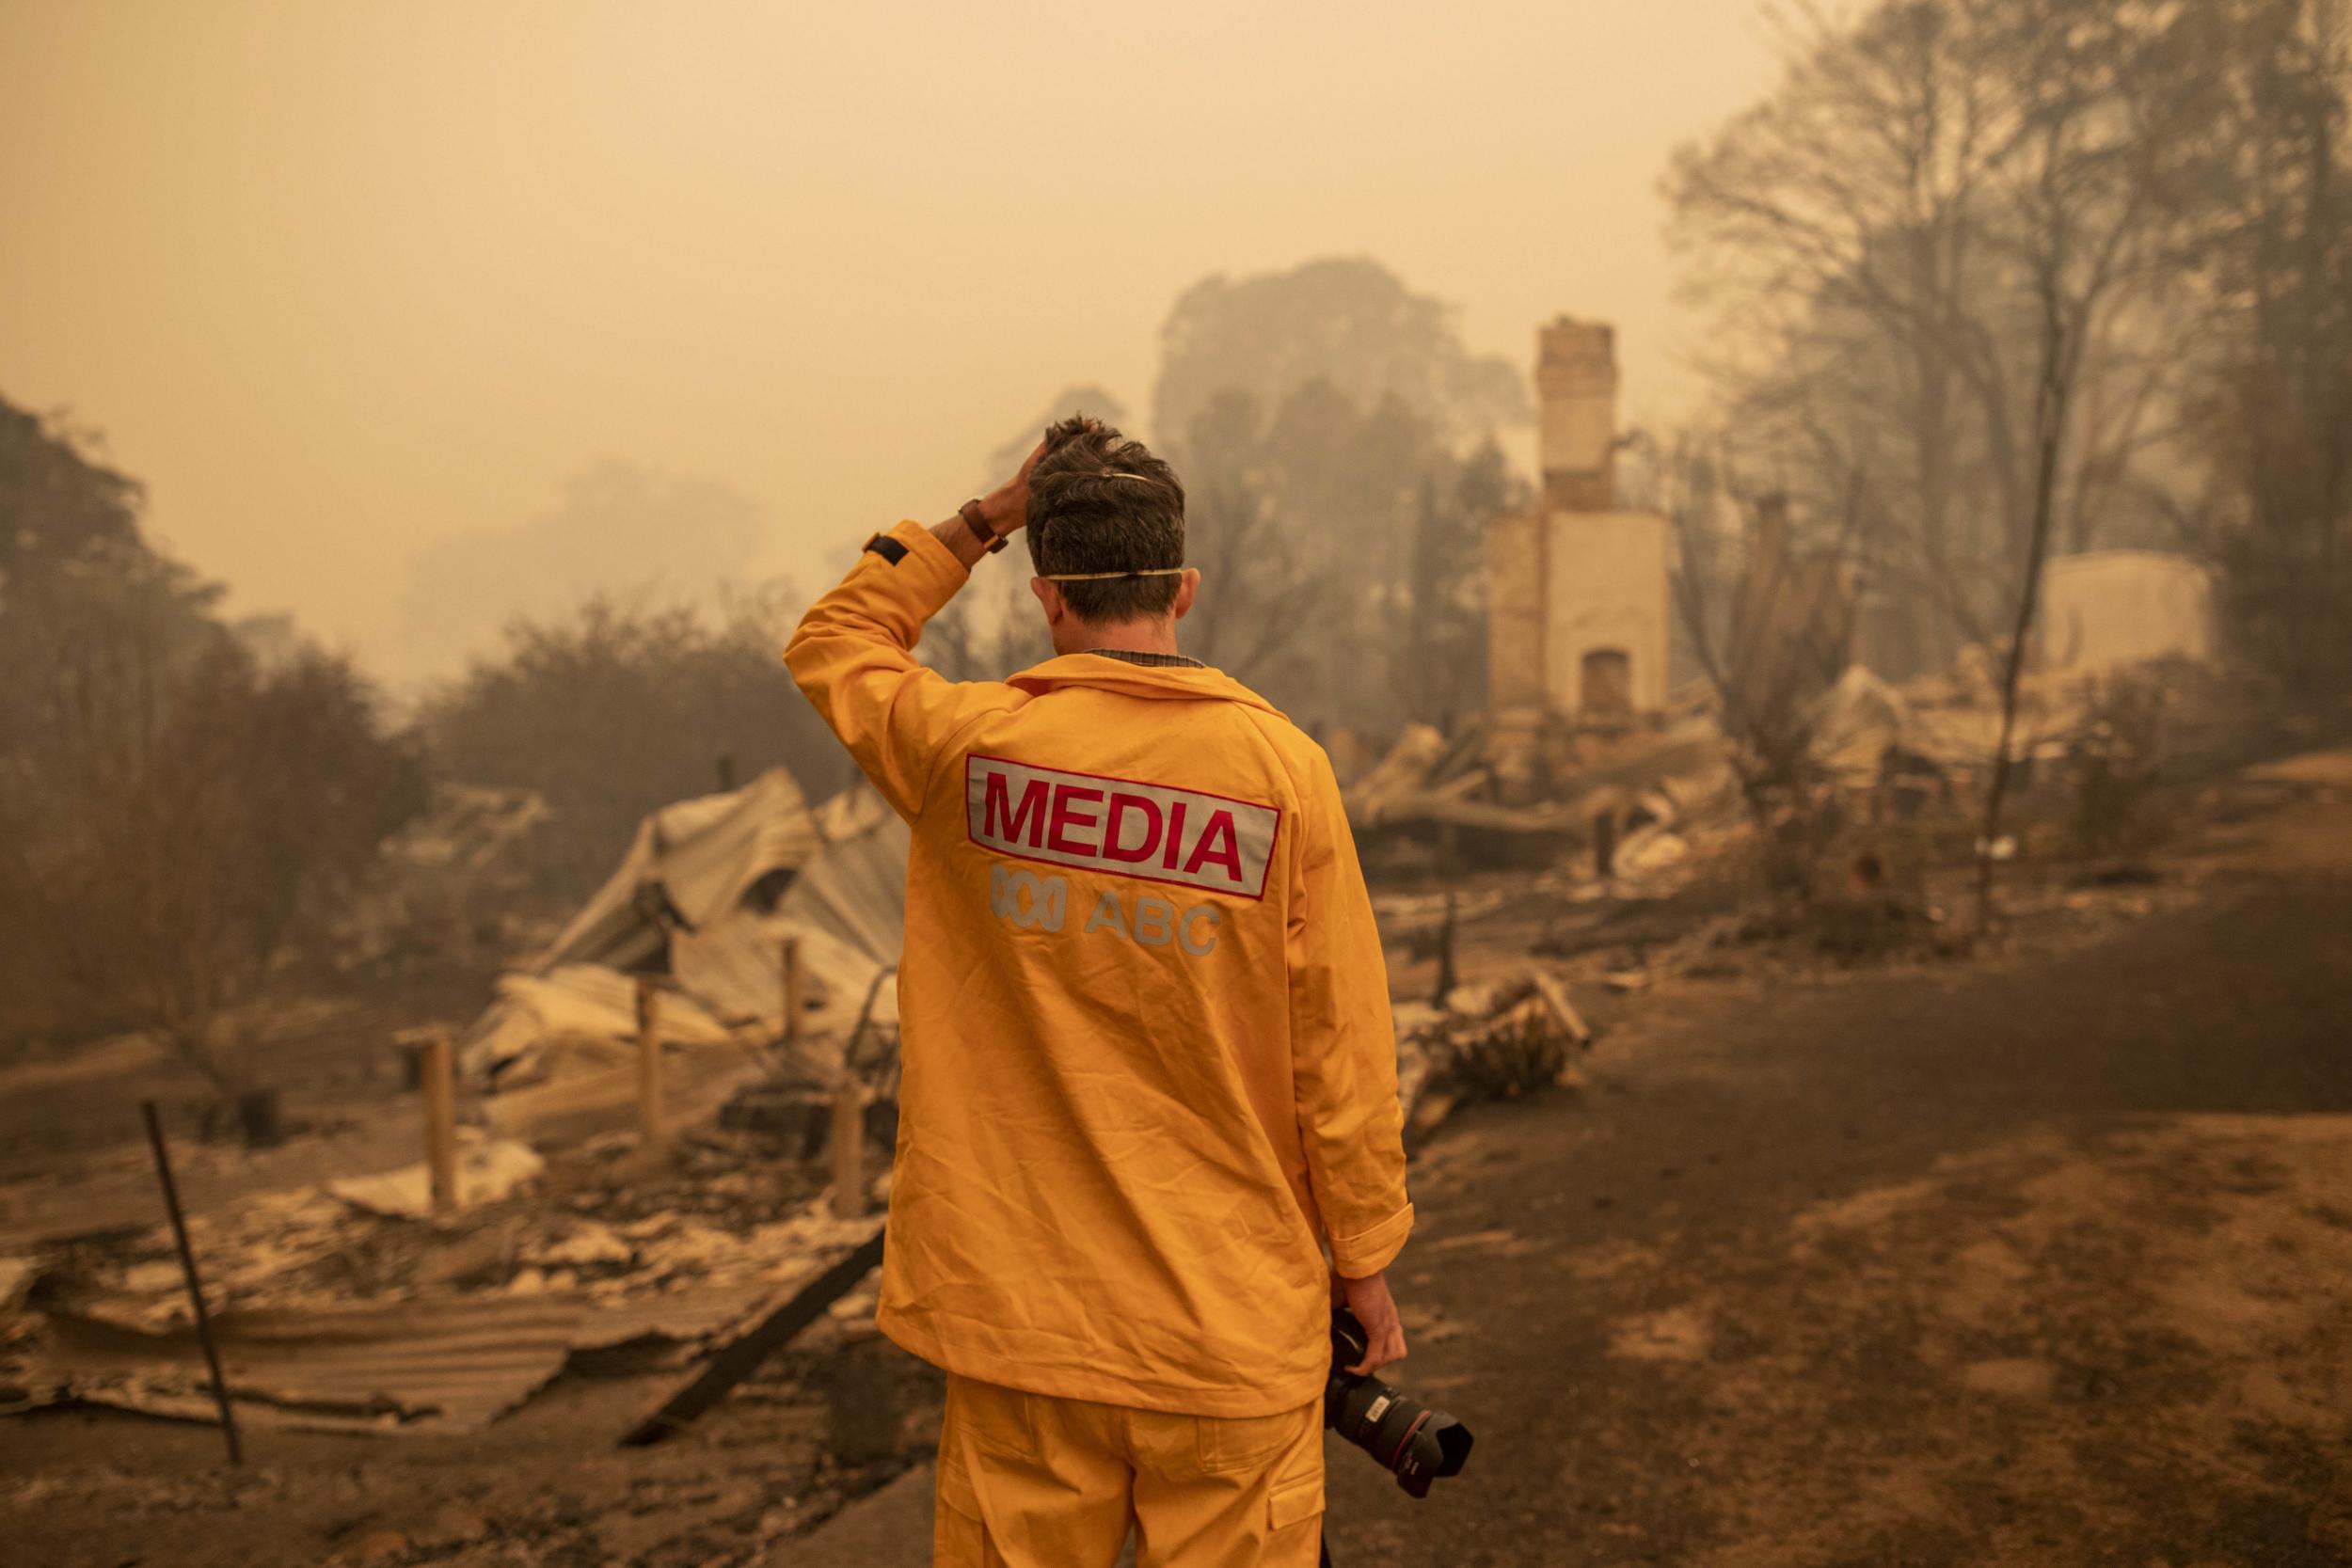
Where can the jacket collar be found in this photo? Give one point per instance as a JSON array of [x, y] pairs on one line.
[[1137, 680], [1136, 656]]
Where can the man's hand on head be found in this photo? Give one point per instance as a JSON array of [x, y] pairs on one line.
[[1005, 509]]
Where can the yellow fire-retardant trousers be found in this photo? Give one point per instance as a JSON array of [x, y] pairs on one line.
[[1029, 1480]]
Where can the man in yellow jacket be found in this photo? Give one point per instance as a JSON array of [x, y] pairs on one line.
[[1148, 1071]]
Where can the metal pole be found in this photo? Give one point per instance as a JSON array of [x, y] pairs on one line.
[[187, 1269]]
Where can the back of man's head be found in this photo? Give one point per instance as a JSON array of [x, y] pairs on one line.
[[1101, 502]]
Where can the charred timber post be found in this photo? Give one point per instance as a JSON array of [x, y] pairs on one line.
[[195, 1287], [1447, 977], [791, 989], [649, 1064], [848, 1137], [440, 1071]]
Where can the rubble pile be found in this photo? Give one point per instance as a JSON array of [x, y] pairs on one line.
[[1496, 793], [1648, 801], [340, 1312], [1485, 1042], [600, 1222]]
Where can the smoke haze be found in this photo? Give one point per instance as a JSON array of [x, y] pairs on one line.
[[349, 286]]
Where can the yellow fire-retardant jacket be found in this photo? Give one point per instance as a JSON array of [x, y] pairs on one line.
[[1144, 1026]]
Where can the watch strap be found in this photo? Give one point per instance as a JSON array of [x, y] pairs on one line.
[[970, 512]]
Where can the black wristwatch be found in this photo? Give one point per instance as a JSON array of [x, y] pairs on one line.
[[970, 512]]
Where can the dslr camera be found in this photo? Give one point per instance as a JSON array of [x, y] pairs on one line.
[[1413, 1442]]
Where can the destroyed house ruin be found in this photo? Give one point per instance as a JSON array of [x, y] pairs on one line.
[[1579, 614]]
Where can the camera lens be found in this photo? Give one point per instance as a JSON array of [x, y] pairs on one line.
[[1415, 1442]]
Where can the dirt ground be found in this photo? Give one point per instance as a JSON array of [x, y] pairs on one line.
[[546, 1485], [2042, 1257], [2038, 1260]]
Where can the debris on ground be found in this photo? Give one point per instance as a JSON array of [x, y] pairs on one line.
[[346, 1309], [488, 1169], [744, 939], [1494, 794], [743, 1352], [1485, 1042]]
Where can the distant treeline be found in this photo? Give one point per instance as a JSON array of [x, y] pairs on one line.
[[1958, 236]]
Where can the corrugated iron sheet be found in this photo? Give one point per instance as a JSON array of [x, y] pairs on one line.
[[439, 1364], [451, 1364]]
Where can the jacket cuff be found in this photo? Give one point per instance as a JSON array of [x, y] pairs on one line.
[[1374, 1248], [929, 568]]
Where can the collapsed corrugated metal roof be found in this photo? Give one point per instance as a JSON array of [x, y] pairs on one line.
[[455, 1363], [703, 854], [438, 1362], [695, 898]]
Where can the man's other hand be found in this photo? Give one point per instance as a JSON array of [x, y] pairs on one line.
[[1383, 1333]]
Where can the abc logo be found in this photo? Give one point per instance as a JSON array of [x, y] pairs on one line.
[[1028, 899]]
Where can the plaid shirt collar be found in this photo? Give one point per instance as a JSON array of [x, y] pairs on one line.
[[1150, 661]]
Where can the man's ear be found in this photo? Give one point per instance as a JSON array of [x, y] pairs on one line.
[[1049, 595], [1186, 586]]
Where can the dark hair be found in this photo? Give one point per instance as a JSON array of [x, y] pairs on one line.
[[1101, 502]]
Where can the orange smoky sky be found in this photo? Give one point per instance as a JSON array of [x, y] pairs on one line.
[[342, 282]]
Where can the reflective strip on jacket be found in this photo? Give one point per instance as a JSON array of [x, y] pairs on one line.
[[1147, 1058]]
